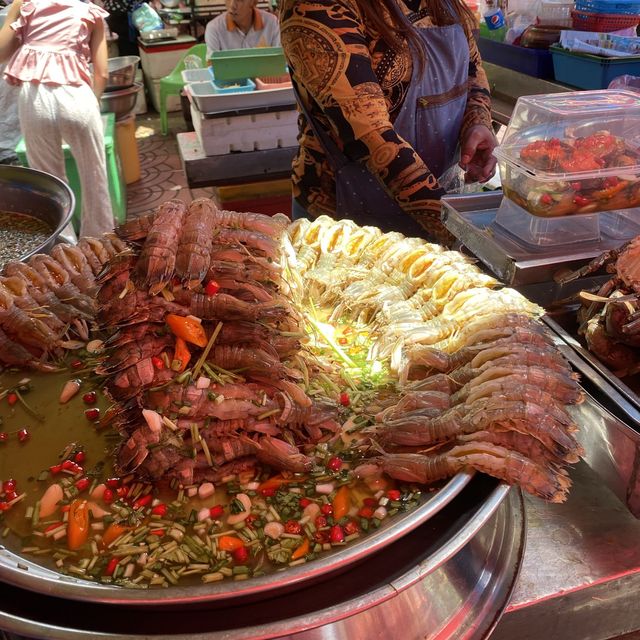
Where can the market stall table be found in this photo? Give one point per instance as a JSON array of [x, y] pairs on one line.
[[233, 168]]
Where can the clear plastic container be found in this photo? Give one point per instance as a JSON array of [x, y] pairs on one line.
[[555, 13], [573, 153], [547, 232], [621, 225]]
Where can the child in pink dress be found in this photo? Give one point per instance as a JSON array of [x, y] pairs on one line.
[[50, 44]]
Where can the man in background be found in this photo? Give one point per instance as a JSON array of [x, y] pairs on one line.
[[242, 26]]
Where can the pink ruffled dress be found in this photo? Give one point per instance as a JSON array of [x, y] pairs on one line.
[[55, 38]]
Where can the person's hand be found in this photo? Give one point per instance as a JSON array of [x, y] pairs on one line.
[[477, 158]]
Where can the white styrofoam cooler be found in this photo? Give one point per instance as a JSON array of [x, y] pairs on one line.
[[221, 135]]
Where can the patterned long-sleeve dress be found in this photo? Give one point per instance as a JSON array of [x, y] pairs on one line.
[[335, 61]]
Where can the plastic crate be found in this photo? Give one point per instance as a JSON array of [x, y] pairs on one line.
[[629, 7], [532, 62], [248, 63], [584, 71], [602, 22], [235, 86], [273, 82]]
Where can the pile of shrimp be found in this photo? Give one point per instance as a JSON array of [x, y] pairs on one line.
[[480, 381], [239, 402], [47, 304]]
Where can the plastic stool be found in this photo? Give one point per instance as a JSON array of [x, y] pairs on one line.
[[117, 187], [128, 148]]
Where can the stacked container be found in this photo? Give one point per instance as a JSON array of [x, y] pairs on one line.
[[605, 16], [570, 168]]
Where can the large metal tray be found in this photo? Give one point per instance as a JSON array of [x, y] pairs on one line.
[[26, 573], [609, 421], [449, 579]]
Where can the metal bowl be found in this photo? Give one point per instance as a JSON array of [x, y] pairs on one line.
[[122, 72], [120, 102], [38, 194]]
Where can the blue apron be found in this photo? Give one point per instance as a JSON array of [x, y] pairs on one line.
[[430, 120]]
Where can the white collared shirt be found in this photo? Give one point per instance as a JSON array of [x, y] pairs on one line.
[[222, 33]]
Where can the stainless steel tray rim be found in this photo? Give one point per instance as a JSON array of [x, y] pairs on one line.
[[291, 626], [48, 582]]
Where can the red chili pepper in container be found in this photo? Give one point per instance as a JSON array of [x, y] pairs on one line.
[[12, 398], [345, 401]]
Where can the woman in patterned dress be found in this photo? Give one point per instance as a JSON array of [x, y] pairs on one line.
[[393, 97]]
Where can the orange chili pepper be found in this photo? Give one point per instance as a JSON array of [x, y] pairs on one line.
[[181, 356], [229, 543], [189, 329], [78, 525], [341, 503], [302, 550], [113, 531], [275, 482]]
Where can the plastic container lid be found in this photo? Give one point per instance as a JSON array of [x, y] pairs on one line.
[[567, 117]]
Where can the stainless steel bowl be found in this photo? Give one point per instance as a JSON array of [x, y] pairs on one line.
[[120, 102], [122, 72], [38, 194]]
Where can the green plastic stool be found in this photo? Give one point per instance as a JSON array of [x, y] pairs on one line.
[[173, 84], [117, 187]]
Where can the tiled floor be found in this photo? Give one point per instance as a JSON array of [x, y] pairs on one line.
[[161, 177]]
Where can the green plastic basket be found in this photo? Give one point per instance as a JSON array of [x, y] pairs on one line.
[[238, 64]]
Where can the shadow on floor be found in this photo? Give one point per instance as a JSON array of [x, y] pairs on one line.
[[161, 175]]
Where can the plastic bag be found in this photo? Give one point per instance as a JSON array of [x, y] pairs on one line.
[[631, 83], [146, 18]]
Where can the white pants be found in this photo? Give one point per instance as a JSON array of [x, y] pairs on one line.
[[50, 114]]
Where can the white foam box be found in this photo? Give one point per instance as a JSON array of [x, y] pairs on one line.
[[254, 132]]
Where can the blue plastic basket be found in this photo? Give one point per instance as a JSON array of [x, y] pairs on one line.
[[237, 86], [584, 71], [626, 7], [533, 62]]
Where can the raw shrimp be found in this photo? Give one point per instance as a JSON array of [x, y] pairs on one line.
[[249, 360], [196, 240], [526, 445], [414, 400], [14, 354], [136, 229], [23, 328], [18, 289], [189, 401], [282, 455], [94, 252], [42, 294], [58, 281], [242, 271], [136, 307], [71, 258], [562, 387], [272, 226], [252, 241], [133, 352], [522, 357], [464, 334], [445, 362], [157, 260], [245, 290], [225, 307], [507, 465]]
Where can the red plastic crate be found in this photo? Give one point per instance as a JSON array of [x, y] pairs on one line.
[[602, 22], [273, 82]]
